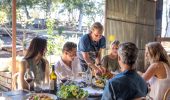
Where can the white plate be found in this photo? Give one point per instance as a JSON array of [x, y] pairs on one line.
[[5, 98], [93, 92], [52, 96]]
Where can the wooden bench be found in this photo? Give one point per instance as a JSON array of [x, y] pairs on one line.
[[5, 81]]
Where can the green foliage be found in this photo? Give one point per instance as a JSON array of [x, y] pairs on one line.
[[36, 98], [94, 9], [55, 42], [2, 17], [50, 26], [6, 6], [90, 8], [48, 6], [73, 4]]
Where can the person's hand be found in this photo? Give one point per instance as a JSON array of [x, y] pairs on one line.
[[99, 71], [103, 70]]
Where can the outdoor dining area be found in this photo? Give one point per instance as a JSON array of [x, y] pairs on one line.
[[77, 89], [103, 50]]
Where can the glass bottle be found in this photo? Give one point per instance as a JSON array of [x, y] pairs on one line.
[[53, 81]]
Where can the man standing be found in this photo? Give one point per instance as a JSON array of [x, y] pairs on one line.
[[90, 47]]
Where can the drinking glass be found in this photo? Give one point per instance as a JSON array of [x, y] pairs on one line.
[[29, 77], [38, 86], [45, 87], [89, 76], [62, 78]]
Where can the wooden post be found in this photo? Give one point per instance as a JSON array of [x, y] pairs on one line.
[[13, 39]]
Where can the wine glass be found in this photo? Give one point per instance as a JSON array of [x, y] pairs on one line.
[[88, 76], [29, 77], [62, 78]]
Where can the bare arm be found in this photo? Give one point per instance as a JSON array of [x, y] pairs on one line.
[[151, 71], [98, 58], [22, 83], [91, 64], [47, 72], [88, 60]]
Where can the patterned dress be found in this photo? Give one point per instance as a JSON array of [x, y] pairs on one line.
[[37, 70]]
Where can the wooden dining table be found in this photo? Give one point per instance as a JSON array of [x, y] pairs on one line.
[[21, 94]]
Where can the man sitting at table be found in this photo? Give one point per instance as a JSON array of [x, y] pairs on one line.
[[128, 84], [67, 65]]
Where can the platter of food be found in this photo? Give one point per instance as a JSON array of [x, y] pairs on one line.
[[107, 75], [40, 96], [72, 92], [99, 81]]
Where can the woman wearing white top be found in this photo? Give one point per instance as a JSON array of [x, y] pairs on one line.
[[158, 73], [67, 65]]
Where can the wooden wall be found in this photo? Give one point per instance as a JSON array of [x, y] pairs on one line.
[[131, 20]]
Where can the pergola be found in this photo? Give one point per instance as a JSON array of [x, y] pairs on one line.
[[13, 38], [106, 26]]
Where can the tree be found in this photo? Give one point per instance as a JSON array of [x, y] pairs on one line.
[[47, 6], [85, 7], [25, 4], [95, 9], [6, 6], [70, 5]]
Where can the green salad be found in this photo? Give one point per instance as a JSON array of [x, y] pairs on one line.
[[71, 92]]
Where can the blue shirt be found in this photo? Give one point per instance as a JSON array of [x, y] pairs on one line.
[[125, 86], [87, 45]]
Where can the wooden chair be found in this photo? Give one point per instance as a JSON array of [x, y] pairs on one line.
[[167, 95], [15, 81], [140, 98]]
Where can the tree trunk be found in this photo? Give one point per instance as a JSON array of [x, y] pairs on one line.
[[48, 10], [9, 15], [26, 11], [80, 20], [93, 18]]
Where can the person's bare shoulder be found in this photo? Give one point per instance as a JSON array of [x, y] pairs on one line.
[[155, 65], [24, 61], [46, 61]]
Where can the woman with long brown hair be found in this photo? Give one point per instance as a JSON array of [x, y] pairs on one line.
[[158, 72], [34, 60]]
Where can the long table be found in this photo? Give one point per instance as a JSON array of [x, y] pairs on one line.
[[20, 94]]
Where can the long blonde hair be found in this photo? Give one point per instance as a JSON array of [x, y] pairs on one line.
[[156, 53]]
